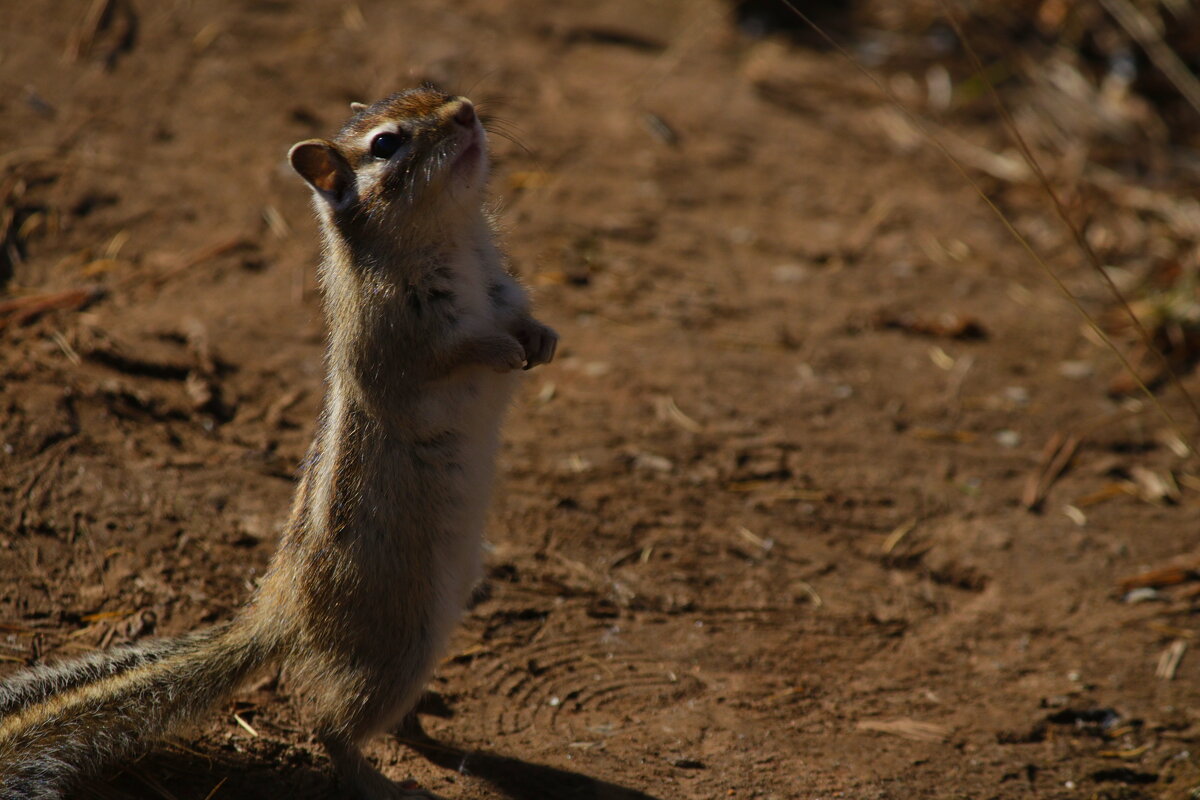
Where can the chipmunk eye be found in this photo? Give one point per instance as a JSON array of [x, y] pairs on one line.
[[385, 145]]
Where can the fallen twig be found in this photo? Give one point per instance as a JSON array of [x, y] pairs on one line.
[[23, 310], [908, 729], [199, 256], [1172, 575], [1168, 62], [1056, 457]]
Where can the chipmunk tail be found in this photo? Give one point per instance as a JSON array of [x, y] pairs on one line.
[[63, 722]]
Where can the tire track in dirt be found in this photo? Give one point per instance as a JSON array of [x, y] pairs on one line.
[[566, 683]]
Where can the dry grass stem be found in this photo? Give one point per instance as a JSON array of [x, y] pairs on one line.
[[896, 536], [245, 725], [213, 792], [1142, 31], [907, 729], [1163, 576], [1168, 662]]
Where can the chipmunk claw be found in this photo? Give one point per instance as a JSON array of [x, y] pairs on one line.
[[513, 360], [540, 341]]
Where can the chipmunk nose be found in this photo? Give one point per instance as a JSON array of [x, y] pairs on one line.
[[465, 115]]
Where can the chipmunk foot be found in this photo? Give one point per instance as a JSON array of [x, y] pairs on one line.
[[411, 788], [363, 781]]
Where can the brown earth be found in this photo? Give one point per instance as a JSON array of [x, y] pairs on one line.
[[751, 540]]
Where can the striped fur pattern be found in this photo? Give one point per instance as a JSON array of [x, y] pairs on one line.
[[103, 712], [36, 684], [428, 332]]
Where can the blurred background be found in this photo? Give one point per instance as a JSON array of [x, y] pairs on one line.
[[832, 491]]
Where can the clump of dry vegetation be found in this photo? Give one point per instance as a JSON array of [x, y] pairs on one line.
[[1104, 94]]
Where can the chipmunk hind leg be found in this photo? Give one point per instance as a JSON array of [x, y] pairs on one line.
[[352, 708], [362, 779]]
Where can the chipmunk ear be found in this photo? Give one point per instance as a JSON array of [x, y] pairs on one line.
[[357, 107], [325, 169]]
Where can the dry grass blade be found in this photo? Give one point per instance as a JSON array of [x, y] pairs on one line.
[[245, 725], [1056, 458], [215, 789], [26, 155], [1163, 576], [1168, 62], [199, 256], [811, 592], [1081, 241], [668, 410], [82, 39], [108, 29], [1173, 631], [897, 535], [21, 310], [1127, 755], [942, 148], [1107, 492], [908, 729], [1056, 455], [1168, 662]]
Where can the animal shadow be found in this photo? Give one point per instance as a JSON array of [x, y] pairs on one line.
[[515, 779], [271, 769], [184, 773]]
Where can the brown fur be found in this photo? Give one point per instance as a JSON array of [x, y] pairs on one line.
[[383, 543]]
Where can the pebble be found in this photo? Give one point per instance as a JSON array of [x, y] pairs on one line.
[[1143, 594], [789, 273], [1007, 438], [1075, 370]]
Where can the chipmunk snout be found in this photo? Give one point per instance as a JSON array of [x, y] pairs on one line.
[[465, 115]]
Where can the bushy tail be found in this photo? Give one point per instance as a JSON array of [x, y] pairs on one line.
[[35, 684], [60, 723]]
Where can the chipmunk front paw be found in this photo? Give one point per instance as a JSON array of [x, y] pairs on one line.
[[501, 352], [539, 341]]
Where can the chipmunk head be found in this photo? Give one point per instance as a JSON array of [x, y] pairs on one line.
[[404, 152]]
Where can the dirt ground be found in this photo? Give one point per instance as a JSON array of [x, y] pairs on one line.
[[757, 535]]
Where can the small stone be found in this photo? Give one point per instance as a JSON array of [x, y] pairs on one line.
[[1017, 394], [594, 369], [653, 463], [1143, 594], [789, 273], [1075, 370], [742, 235], [1008, 438]]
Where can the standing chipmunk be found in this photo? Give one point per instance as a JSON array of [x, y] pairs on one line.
[[426, 332]]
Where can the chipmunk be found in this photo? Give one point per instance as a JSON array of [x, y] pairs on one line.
[[427, 331]]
